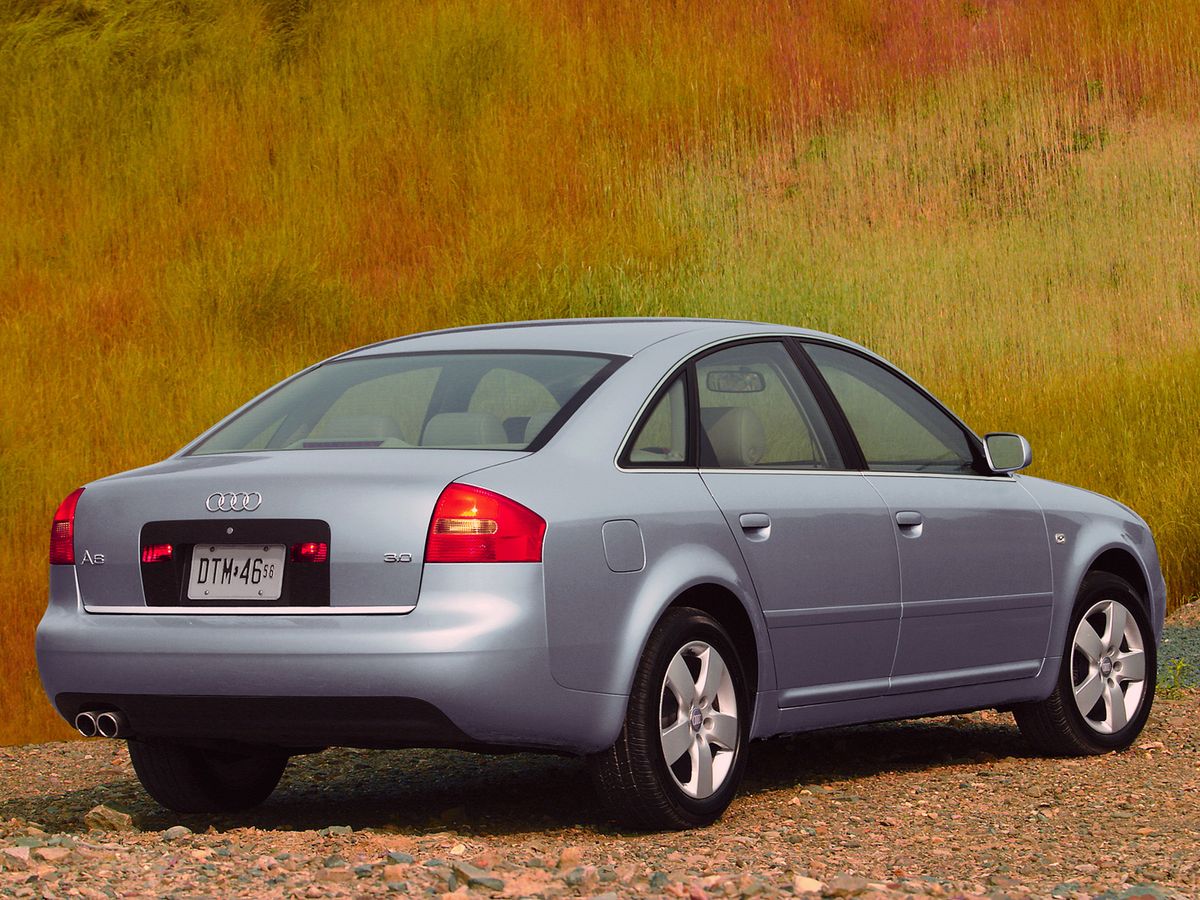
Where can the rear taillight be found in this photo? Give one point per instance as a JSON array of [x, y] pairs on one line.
[[310, 551], [62, 531], [473, 525], [154, 553]]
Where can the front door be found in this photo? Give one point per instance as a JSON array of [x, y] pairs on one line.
[[974, 555]]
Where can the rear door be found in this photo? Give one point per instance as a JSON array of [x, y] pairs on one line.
[[974, 554], [816, 537]]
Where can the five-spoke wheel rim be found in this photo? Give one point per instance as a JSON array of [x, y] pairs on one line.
[[698, 722], [1108, 667]]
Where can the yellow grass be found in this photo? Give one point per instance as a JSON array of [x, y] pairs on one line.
[[196, 199]]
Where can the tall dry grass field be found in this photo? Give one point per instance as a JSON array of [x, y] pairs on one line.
[[197, 198]]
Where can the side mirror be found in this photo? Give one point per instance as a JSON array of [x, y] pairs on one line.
[[1007, 452]]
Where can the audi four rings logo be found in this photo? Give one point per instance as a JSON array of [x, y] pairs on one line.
[[233, 501]]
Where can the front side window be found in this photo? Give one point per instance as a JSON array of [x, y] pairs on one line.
[[898, 428], [484, 401], [756, 411]]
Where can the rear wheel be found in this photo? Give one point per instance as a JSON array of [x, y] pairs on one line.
[[194, 779], [680, 756], [1106, 678]]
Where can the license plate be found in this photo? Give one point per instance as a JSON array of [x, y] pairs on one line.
[[236, 572]]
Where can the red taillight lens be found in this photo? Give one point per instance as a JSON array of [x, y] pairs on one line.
[[473, 525], [153, 553], [62, 531], [310, 551]]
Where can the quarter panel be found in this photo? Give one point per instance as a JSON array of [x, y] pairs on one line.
[[598, 620]]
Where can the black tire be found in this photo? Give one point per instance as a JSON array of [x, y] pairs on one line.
[[632, 777], [1056, 725], [197, 780]]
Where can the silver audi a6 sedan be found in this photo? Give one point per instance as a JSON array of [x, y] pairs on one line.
[[645, 542]]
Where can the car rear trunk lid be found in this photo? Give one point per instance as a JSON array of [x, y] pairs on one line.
[[370, 507]]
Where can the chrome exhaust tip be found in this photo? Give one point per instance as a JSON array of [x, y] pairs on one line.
[[85, 724], [110, 724]]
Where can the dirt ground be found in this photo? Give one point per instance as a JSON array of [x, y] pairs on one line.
[[950, 807]]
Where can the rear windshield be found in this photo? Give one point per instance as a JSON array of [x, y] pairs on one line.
[[467, 401]]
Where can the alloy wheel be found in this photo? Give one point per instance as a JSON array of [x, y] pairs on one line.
[[1108, 667], [698, 725]]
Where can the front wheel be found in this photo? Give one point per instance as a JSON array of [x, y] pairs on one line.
[[193, 779], [1106, 678], [680, 755]]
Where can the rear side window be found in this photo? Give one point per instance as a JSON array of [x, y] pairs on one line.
[[485, 401], [756, 411], [662, 438], [898, 428]]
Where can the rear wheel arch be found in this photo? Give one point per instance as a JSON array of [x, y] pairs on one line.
[[718, 599], [724, 606]]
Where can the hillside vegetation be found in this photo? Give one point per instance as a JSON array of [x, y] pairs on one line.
[[196, 198]]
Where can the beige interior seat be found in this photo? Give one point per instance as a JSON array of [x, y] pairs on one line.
[[357, 428], [736, 434], [464, 429]]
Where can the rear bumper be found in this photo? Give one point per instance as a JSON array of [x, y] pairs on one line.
[[284, 721], [468, 667]]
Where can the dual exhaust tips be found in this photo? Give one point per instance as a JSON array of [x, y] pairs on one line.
[[109, 724]]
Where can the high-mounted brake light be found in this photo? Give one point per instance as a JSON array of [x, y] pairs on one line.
[[152, 553], [310, 551], [470, 524], [62, 531]]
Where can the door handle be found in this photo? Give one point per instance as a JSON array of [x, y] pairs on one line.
[[754, 521], [910, 523], [755, 526]]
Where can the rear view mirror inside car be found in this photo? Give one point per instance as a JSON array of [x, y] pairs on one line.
[[735, 381]]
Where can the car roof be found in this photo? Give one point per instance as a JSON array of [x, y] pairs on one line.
[[618, 337]]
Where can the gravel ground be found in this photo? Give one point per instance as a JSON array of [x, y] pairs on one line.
[[948, 807]]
